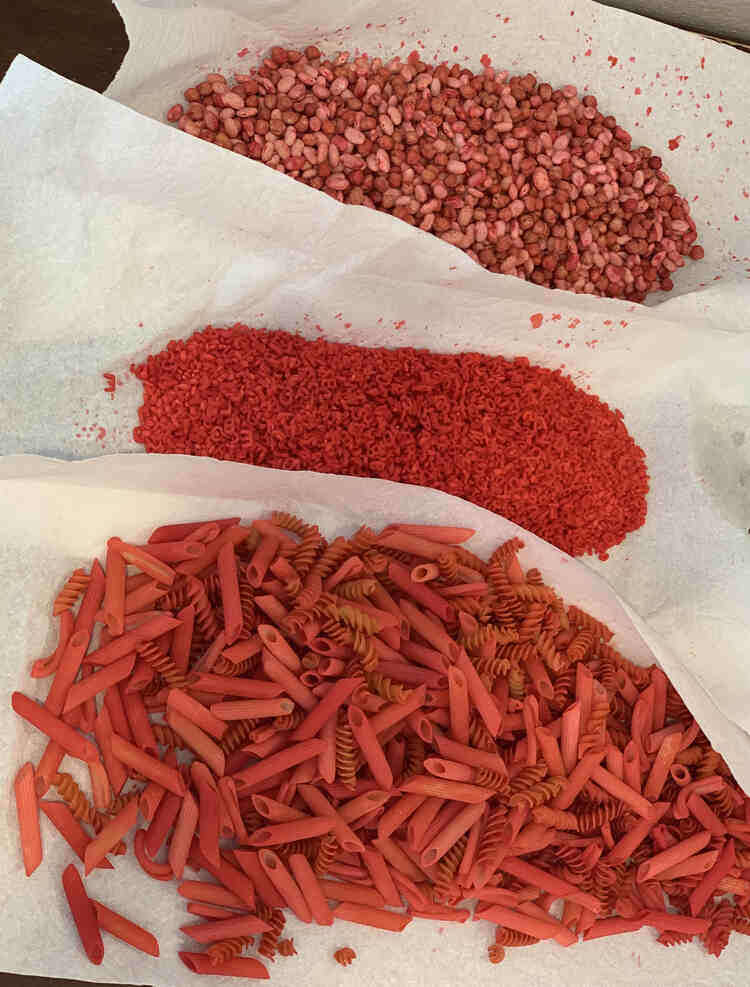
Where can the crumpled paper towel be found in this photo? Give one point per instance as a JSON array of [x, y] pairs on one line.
[[59, 517]]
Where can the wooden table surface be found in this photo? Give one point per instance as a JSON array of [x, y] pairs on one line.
[[84, 40]]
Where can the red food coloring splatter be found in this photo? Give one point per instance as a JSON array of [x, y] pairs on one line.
[[745, 193], [674, 142], [556, 316], [455, 48], [242, 52], [101, 434], [573, 323], [347, 325], [587, 53], [729, 123], [536, 320], [111, 385], [703, 62], [607, 322], [519, 439], [140, 325], [637, 90], [736, 218], [623, 323], [486, 61], [612, 59]]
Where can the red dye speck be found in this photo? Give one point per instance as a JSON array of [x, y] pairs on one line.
[[556, 316], [242, 52], [637, 90], [516, 438], [736, 218], [612, 59], [455, 48], [536, 320], [347, 325], [703, 62], [573, 323], [587, 53], [648, 111], [674, 142], [111, 385], [101, 434], [140, 325], [486, 61], [729, 123]]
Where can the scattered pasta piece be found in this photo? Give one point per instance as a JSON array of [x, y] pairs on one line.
[[345, 956]]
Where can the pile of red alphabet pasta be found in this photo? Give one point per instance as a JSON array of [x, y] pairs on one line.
[[387, 723], [515, 438], [529, 180]]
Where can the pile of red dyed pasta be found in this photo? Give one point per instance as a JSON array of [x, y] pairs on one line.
[[384, 722], [528, 180], [515, 438]]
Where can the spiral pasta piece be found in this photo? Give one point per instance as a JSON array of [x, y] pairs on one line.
[[290, 522], [337, 552], [356, 589], [346, 752], [205, 618], [247, 607], [290, 721], [161, 663], [717, 937], [225, 949], [394, 692], [495, 953], [119, 802], [68, 596], [308, 848], [307, 551], [517, 682], [224, 666], [237, 735], [579, 646], [325, 855], [492, 836], [509, 937], [177, 598], [592, 820], [414, 756], [479, 736], [538, 794], [212, 586], [447, 868], [487, 778], [362, 540], [68, 790], [673, 938], [285, 947], [345, 956], [528, 776], [270, 939]]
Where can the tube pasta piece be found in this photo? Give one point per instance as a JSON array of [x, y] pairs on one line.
[[198, 741], [110, 835], [97, 682], [285, 884], [326, 709], [226, 685], [290, 832], [67, 670], [27, 811], [246, 967], [278, 672], [381, 876], [287, 758], [451, 833], [375, 918], [318, 803], [458, 705], [356, 893], [114, 588], [368, 743], [125, 930], [120, 646], [147, 765], [44, 667], [249, 861], [184, 704], [461, 792], [311, 889], [84, 914], [54, 728], [240, 925], [246, 709]]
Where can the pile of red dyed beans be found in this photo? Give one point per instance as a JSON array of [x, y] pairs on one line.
[[529, 180]]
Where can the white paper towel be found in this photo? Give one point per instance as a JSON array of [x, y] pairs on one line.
[[62, 514], [121, 232]]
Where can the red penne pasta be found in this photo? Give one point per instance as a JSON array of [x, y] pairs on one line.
[[68, 739], [97, 682], [198, 741], [239, 925], [118, 647], [152, 768], [285, 884], [289, 832], [65, 823], [246, 967], [43, 667], [84, 914], [185, 827], [230, 592], [110, 835], [190, 529], [180, 702], [311, 889], [246, 709], [125, 930], [27, 811], [368, 743], [375, 918]]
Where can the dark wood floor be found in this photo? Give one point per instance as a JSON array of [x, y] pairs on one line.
[[84, 40]]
